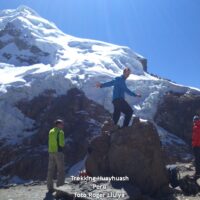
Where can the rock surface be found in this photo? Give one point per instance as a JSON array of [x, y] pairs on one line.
[[175, 114], [134, 152], [83, 119]]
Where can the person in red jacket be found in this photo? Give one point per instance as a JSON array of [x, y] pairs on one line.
[[196, 144]]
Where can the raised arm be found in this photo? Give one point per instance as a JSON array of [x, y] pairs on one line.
[[107, 84]]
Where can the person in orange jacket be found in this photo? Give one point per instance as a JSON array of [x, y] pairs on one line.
[[196, 144]]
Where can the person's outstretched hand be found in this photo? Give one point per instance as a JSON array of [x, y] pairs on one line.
[[98, 85]]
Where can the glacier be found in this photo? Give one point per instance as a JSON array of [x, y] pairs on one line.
[[35, 55]]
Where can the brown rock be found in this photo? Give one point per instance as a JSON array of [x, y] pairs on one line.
[[97, 161], [134, 152], [83, 118]]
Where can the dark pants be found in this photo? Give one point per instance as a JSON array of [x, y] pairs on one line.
[[196, 151], [120, 105]]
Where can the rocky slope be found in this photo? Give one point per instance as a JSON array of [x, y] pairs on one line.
[[83, 119], [175, 114]]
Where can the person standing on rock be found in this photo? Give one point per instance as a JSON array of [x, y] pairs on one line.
[[119, 90], [56, 144], [196, 144]]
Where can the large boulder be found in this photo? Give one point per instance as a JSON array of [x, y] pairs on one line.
[[134, 152]]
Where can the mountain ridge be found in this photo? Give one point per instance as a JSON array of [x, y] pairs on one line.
[[52, 60]]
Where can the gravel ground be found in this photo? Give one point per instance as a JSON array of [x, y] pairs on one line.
[[39, 190]]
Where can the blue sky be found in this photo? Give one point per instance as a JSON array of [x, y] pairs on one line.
[[166, 32]]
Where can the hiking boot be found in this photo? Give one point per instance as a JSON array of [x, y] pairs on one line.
[[196, 176], [59, 195], [109, 127], [51, 191]]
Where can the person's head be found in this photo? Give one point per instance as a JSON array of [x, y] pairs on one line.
[[59, 123], [196, 118], [126, 72]]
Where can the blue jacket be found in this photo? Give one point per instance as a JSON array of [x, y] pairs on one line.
[[120, 87]]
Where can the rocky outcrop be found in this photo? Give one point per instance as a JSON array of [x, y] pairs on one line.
[[143, 62], [83, 119], [175, 114], [134, 152]]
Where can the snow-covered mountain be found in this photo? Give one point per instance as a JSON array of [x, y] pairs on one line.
[[35, 56]]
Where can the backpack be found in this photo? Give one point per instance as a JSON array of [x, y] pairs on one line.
[[173, 175], [60, 149], [189, 185]]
